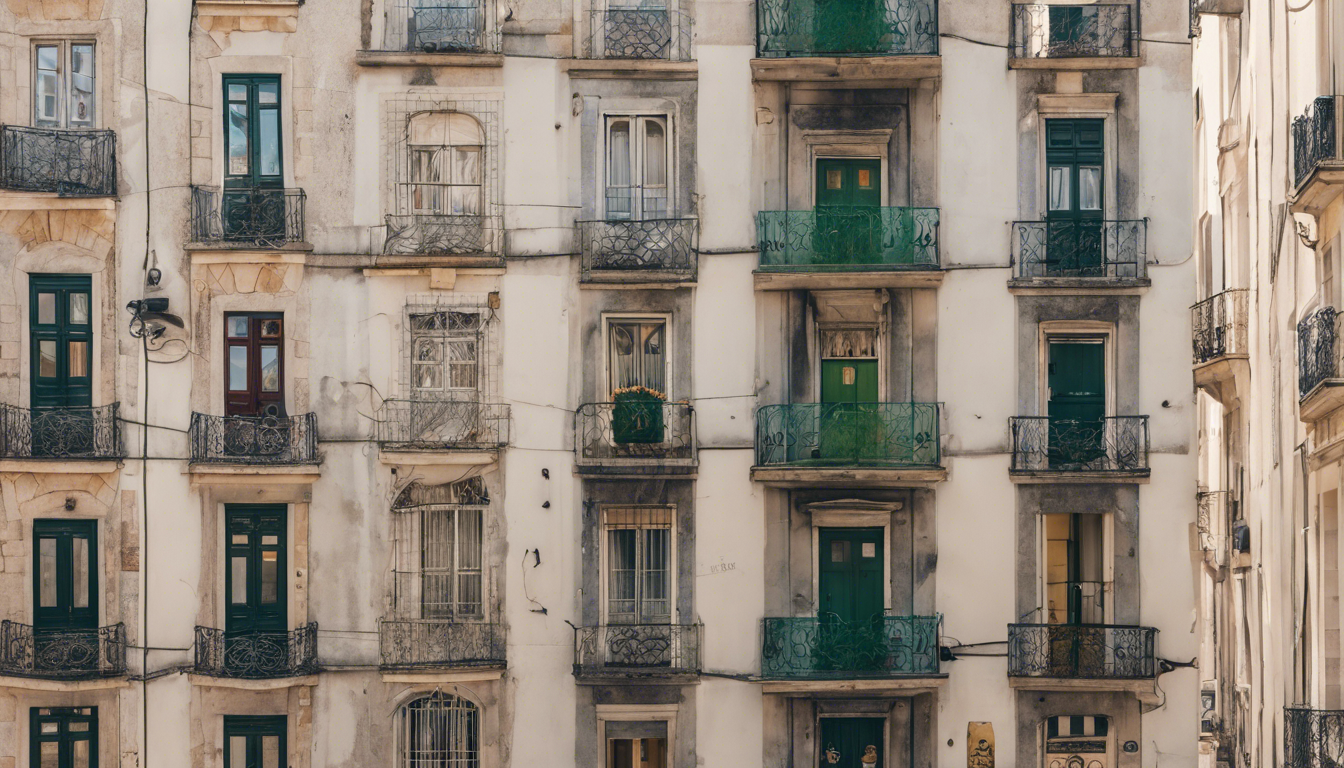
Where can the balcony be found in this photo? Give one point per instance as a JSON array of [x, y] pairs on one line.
[[1312, 738], [639, 32], [1319, 383], [89, 434], [1215, 512], [70, 163], [1072, 254], [848, 248], [639, 438], [1094, 36], [436, 644], [452, 240], [839, 42], [1076, 450], [855, 443], [644, 652], [1221, 331], [72, 654], [265, 440], [1066, 652], [247, 218], [448, 27], [647, 251], [1318, 167], [256, 655], [442, 425], [809, 650]]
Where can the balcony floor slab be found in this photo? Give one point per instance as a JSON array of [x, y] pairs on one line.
[[241, 474], [1078, 286], [241, 684], [448, 674], [1045, 477], [1144, 689], [1318, 189], [790, 280], [630, 69], [436, 457], [1076, 63], [853, 477], [420, 59], [886, 686], [59, 466], [1219, 377], [637, 678], [63, 686], [850, 70], [1322, 400]]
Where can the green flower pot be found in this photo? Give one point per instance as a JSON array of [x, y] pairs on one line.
[[637, 418]]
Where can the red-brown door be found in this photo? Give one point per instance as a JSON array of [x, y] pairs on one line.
[[254, 364]]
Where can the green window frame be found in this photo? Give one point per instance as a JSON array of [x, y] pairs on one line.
[[255, 590], [65, 574], [255, 741], [253, 131], [63, 737], [60, 331]]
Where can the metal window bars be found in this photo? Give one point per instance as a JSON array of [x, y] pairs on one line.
[[260, 217], [1312, 738], [441, 234], [66, 654], [423, 643], [71, 163], [1317, 349], [637, 649], [1220, 325], [1096, 30], [254, 439], [440, 26], [1081, 651], [644, 31], [821, 647], [848, 238], [848, 434], [440, 729], [795, 28], [1105, 444], [646, 430], [1316, 136], [442, 424], [1080, 248], [653, 249], [60, 433], [256, 654]]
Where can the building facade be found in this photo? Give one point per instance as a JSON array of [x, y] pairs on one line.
[[405, 383]]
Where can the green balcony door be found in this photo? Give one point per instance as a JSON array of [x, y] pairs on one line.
[[253, 741], [254, 577], [850, 427], [849, 573], [845, 741], [847, 26], [253, 161], [1074, 198], [848, 212], [61, 339], [1077, 406], [65, 575]]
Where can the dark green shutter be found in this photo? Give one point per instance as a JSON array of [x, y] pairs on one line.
[[849, 573], [61, 341], [850, 737], [64, 539], [255, 552]]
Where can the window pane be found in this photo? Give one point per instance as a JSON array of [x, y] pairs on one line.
[[425, 164], [46, 364], [237, 369], [268, 93], [238, 162], [270, 752], [428, 377], [46, 308], [46, 583], [238, 591], [467, 165], [79, 309], [1089, 188], [270, 329], [45, 96], [462, 364], [51, 754], [79, 754], [618, 163], [81, 84], [467, 201], [79, 359], [656, 586], [270, 369], [1059, 188], [621, 577], [269, 581], [237, 92], [655, 154], [270, 142], [238, 327], [49, 728], [79, 572], [237, 752]]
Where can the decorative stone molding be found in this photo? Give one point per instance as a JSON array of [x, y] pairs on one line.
[[56, 10], [91, 230], [220, 17]]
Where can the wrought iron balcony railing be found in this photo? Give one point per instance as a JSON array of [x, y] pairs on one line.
[[256, 217], [639, 32], [71, 163], [256, 655], [1220, 325], [1099, 30], [1312, 738], [1081, 651], [440, 26], [68, 654], [637, 649], [826, 647], [1107, 444], [848, 434], [60, 433], [423, 643], [441, 235], [845, 238], [1103, 250], [1317, 349], [254, 439], [442, 424], [795, 28], [1315, 137], [652, 431], [656, 249]]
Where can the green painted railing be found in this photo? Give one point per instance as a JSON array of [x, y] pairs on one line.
[[859, 238], [786, 28], [847, 434], [826, 647]]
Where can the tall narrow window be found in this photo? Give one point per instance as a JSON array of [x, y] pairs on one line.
[[445, 352], [61, 341], [445, 161], [65, 575], [254, 204], [1329, 295], [439, 731], [255, 742], [63, 84], [639, 575], [1075, 578], [638, 354], [1075, 197], [254, 370], [637, 167], [439, 535], [63, 737], [254, 578]]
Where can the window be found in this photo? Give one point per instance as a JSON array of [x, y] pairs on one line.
[[63, 85], [252, 135], [61, 339], [638, 350], [1076, 383], [445, 164], [445, 354], [255, 742], [1076, 740], [1328, 296], [254, 362], [637, 164], [63, 737], [254, 579], [65, 575], [639, 556], [1075, 574], [1073, 154], [636, 744], [438, 536], [439, 731]]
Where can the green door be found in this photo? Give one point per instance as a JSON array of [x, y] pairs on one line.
[[849, 573], [63, 737], [253, 205], [849, 420], [254, 578], [848, 26], [846, 740], [1077, 407], [848, 213], [65, 579], [61, 339], [1074, 192]]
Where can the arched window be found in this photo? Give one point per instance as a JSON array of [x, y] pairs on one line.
[[445, 164], [439, 731]]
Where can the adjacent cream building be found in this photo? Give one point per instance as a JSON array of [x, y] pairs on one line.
[[486, 383]]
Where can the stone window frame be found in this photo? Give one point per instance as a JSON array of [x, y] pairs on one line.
[[221, 66], [873, 143], [64, 44], [604, 553], [636, 713], [1107, 565], [851, 514], [1079, 106], [487, 361], [1061, 329], [880, 322], [605, 345]]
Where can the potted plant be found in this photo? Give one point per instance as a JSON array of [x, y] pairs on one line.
[[637, 415]]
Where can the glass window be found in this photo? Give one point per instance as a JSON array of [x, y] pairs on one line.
[[637, 167], [439, 730], [638, 354], [639, 586], [65, 575], [437, 570], [64, 737], [253, 345], [1089, 188], [254, 742], [445, 359], [445, 159], [1060, 196], [64, 85]]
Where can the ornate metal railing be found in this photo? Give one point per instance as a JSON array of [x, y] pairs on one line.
[[258, 217], [1215, 511], [1315, 137], [827, 647], [438, 424], [1312, 738], [419, 643], [1082, 651], [1067, 31], [26, 651], [254, 439], [256, 655], [440, 26], [856, 238], [1317, 349], [637, 649], [1111, 250], [434, 234], [1220, 325], [663, 249], [790, 28], [71, 163], [848, 434], [60, 433], [654, 431], [1107, 444], [639, 33]]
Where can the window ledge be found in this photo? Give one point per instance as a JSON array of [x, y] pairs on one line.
[[1078, 286], [64, 686], [1077, 62], [420, 59], [1042, 477], [59, 466], [50, 201], [271, 684], [241, 474], [631, 69], [896, 686]]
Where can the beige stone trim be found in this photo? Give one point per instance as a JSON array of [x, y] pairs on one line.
[[63, 686], [57, 467], [802, 477], [1027, 477], [902, 686], [446, 457], [36, 201], [824, 281], [847, 69], [630, 69], [239, 474], [275, 684], [212, 256], [1079, 63], [410, 59], [447, 676], [1080, 104]]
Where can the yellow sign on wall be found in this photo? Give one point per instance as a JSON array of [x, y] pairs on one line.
[[979, 745]]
